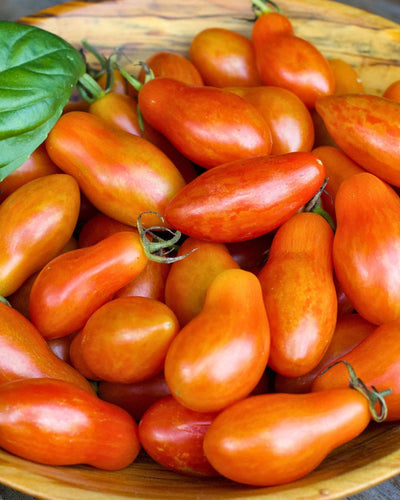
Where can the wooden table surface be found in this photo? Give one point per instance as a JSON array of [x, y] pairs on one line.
[[13, 9]]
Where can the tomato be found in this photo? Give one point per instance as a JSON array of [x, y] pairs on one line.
[[376, 361], [220, 355], [37, 165], [20, 298], [167, 64], [299, 294], [288, 118], [251, 255], [347, 80], [121, 174], [367, 129], [244, 199], [126, 340], [99, 227], [76, 356], [73, 285], [350, 330], [137, 397], [54, 422], [25, 353], [121, 111], [224, 58], [274, 439], [173, 436], [208, 125], [36, 221], [393, 91], [189, 278], [338, 166], [119, 86], [366, 248], [288, 61], [61, 347]]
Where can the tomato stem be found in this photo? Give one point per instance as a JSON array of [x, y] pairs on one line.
[[373, 396], [158, 248], [4, 300], [261, 7], [89, 89]]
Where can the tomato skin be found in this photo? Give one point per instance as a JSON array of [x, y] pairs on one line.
[[73, 285], [220, 356], [36, 221], [224, 58], [346, 78], [393, 91], [366, 128], [20, 298], [118, 110], [99, 227], [376, 361], [285, 60], [366, 247], [274, 439], [121, 174], [350, 330], [299, 294], [165, 64], [247, 198], [189, 278], [37, 165], [27, 355], [338, 166], [208, 125], [54, 422], [137, 397], [173, 436], [131, 336], [288, 118]]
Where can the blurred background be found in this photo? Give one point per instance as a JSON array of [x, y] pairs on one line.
[[11, 10]]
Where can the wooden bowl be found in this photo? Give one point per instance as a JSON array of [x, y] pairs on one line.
[[140, 28]]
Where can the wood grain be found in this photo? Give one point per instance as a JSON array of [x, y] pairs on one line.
[[140, 28]]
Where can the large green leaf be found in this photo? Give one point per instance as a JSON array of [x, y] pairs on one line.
[[38, 72]]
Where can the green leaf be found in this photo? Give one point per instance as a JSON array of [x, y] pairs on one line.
[[38, 73]]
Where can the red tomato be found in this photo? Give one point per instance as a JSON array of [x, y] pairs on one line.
[[247, 198], [208, 125], [376, 361], [137, 397], [76, 356], [54, 422], [36, 221], [173, 436], [393, 91], [73, 285], [288, 118], [99, 227], [274, 439], [25, 353], [121, 174], [338, 166], [299, 294], [126, 340], [220, 356], [366, 248], [189, 278], [350, 330], [367, 129], [347, 80], [288, 61], [37, 165], [166, 64], [224, 58]]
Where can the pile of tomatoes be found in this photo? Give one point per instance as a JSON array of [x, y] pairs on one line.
[[196, 262]]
